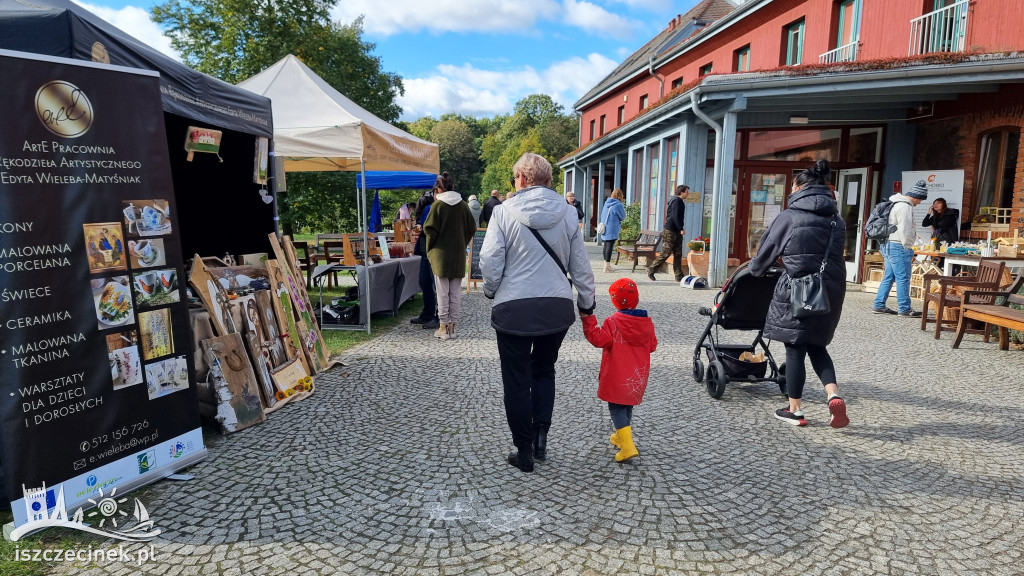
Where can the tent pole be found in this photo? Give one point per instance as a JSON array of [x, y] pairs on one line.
[[366, 246]]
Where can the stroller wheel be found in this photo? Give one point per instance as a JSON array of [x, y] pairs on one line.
[[782, 378], [716, 379], [698, 370]]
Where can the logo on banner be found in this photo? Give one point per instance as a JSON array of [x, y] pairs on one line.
[[147, 461], [64, 109], [177, 449], [107, 515], [90, 481]]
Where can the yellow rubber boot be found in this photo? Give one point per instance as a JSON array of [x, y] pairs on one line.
[[614, 439], [627, 449]]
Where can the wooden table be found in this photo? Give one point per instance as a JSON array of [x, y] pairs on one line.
[[1013, 262]]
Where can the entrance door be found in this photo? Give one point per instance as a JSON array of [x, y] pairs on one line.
[[850, 195], [767, 197]]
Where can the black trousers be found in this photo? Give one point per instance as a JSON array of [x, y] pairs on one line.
[[796, 373], [426, 280], [528, 376], [609, 249]]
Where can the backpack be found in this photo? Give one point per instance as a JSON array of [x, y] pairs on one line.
[[878, 227]]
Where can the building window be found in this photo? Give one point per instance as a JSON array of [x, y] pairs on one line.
[[677, 82], [793, 43], [593, 127], [705, 69], [741, 59], [603, 125], [849, 23], [622, 115], [643, 102], [997, 165]]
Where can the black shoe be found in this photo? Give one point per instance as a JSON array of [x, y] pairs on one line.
[[418, 320], [911, 314], [540, 443], [883, 310], [431, 324], [650, 276], [521, 459]]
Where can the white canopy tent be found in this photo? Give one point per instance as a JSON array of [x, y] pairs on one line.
[[318, 129]]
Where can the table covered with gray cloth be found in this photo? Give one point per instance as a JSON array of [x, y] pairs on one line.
[[392, 283]]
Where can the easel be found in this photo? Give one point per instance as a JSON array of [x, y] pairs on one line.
[[474, 278]]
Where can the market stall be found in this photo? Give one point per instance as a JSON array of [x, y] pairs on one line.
[[317, 129]]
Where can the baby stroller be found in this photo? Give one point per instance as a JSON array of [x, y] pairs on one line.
[[742, 304]]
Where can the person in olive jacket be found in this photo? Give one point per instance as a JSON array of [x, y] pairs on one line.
[[449, 229], [800, 236]]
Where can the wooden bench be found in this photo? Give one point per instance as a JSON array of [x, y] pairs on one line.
[[1000, 315], [647, 244]]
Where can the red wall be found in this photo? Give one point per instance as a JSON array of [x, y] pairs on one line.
[[994, 26]]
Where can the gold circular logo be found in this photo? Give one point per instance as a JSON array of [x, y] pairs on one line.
[[64, 109], [99, 53]]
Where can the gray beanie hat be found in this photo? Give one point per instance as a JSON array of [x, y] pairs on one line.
[[919, 191]]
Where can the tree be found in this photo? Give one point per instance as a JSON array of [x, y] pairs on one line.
[[459, 154], [235, 39], [537, 126]]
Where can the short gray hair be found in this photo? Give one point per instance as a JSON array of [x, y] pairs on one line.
[[534, 168]]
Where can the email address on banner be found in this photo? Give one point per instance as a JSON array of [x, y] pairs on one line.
[[131, 444]]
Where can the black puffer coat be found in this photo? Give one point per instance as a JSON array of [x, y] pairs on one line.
[[799, 236]]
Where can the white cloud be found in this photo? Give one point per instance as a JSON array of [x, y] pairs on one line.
[[477, 92], [135, 22], [651, 5], [594, 19], [390, 17]]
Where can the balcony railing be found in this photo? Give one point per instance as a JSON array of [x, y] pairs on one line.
[[846, 53], [944, 30]]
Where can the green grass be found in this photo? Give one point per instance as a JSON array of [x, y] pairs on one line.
[[340, 340]]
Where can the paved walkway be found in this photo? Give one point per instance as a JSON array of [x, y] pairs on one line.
[[396, 465]]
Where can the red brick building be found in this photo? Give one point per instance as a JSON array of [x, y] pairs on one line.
[[733, 97]]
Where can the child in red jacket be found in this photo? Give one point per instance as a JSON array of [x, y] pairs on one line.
[[627, 338]]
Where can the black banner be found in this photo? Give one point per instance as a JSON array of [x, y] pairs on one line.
[[95, 349]]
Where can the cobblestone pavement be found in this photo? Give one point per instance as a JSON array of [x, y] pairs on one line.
[[396, 465]]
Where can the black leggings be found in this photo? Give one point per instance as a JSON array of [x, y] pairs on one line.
[[796, 374], [609, 248]]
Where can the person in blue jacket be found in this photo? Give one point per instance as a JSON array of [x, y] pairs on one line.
[[612, 215]]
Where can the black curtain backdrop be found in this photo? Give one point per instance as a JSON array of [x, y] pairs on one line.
[[219, 206]]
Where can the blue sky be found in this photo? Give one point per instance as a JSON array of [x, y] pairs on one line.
[[476, 57]]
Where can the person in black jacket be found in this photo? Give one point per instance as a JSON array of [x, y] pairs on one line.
[[800, 236], [944, 221], [672, 234], [570, 198], [485, 214]]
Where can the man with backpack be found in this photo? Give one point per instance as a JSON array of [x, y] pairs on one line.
[[897, 249]]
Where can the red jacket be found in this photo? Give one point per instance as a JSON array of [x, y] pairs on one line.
[[627, 342]]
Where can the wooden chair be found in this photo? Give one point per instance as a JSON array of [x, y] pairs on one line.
[[992, 314], [334, 253], [951, 289], [305, 260], [647, 243]]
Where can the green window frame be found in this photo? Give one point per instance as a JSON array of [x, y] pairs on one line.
[[706, 69], [795, 43], [849, 22], [742, 60]]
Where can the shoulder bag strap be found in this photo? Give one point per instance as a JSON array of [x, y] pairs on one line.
[[549, 251], [828, 247]]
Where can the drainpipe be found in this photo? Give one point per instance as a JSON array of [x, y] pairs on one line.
[[661, 81], [717, 239]]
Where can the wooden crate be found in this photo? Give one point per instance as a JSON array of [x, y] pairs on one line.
[[998, 219]]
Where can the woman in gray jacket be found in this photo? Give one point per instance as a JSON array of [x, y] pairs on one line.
[[533, 307]]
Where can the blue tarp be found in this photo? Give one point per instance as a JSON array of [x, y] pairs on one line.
[[384, 180]]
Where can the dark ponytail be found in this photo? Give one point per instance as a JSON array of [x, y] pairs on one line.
[[817, 174], [445, 183]]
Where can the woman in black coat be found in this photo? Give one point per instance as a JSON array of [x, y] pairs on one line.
[[799, 235]]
